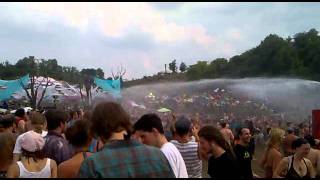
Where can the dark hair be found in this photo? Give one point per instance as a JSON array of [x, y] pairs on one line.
[[182, 126], [239, 131], [7, 121], [87, 115], [20, 112], [7, 142], [78, 134], [34, 155], [79, 112], [298, 143], [290, 131], [211, 133], [149, 121], [310, 139], [223, 124], [55, 118], [108, 118], [71, 114]]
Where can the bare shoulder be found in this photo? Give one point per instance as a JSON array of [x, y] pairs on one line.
[[14, 166], [307, 161], [273, 151], [53, 163], [13, 171], [284, 160]]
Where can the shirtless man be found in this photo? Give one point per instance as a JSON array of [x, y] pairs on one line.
[[287, 142], [227, 133], [314, 154]]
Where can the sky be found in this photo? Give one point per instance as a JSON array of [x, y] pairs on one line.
[[142, 37]]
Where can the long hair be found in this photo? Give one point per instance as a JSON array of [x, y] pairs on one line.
[[108, 118], [276, 135], [211, 133], [7, 142]]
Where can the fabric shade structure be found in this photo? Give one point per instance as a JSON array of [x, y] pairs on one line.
[[7, 88], [3, 110], [163, 110], [110, 86]]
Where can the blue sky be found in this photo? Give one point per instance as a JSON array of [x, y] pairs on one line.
[[144, 36]]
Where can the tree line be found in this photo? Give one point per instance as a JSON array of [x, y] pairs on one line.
[[297, 56], [46, 68]]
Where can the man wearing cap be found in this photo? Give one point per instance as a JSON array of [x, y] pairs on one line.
[[187, 147]]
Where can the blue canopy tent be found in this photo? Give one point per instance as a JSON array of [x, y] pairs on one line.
[[7, 88], [110, 86]]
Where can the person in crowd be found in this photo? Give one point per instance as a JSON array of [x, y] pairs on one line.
[[73, 117], [79, 137], [296, 165], [56, 147], [33, 163], [121, 156], [287, 142], [96, 144], [187, 147], [149, 128], [136, 136], [7, 141], [80, 114], [38, 123], [272, 155], [252, 143], [222, 162], [7, 124], [20, 120], [314, 154], [243, 154], [227, 133]]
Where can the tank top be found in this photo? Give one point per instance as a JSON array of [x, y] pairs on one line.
[[44, 173], [292, 173]]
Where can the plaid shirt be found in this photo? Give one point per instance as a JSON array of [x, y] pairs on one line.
[[126, 159], [57, 148]]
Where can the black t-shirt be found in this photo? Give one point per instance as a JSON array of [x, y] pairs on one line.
[[244, 160], [223, 167]]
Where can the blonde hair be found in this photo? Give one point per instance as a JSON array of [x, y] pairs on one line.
[[276, 135]]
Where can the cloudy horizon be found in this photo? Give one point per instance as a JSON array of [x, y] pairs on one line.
[[144, 36]]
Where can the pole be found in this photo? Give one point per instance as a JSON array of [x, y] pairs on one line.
[[310, 125]]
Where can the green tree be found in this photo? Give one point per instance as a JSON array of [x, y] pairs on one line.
[[197, 71], [173, 66], [183, 67]]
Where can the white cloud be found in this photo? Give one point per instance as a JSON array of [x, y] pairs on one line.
[[142, 36], [118, 19]]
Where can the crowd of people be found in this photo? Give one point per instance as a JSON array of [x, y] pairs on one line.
[[108, 141]]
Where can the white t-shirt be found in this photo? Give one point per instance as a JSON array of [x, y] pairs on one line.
[[17, 147], [175, 160]]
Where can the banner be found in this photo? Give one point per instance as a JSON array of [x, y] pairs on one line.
[[110, 86], [7, 88]]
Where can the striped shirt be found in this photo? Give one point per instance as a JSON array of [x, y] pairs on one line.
[[189, 153]]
